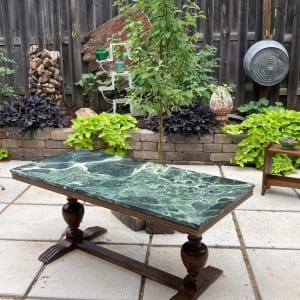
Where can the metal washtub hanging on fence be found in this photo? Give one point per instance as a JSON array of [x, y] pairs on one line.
[[266, 62]]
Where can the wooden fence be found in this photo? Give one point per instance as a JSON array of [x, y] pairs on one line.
[[231, 25]]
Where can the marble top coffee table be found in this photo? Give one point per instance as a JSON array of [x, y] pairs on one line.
[[186, 201]]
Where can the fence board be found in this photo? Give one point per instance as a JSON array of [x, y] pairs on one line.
[[232, 26]]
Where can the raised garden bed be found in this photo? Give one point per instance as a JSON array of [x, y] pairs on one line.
[[211, 148]]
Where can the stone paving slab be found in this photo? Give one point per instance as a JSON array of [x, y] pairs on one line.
[[276, 272], [244, 174], [13, 189], [78, 275], [270, 229], [275, 199], [19, 266], [234, 283], [32, 222]]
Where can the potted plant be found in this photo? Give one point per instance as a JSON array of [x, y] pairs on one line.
[[221, 103]]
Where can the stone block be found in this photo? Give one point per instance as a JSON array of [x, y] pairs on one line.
[[222, 139], [176, 139], [196, 156], [171, 156], [212, 147], [168, 147], [56, 145], [149, 136], [146, 155], [135, 145], [153, 228], [11, 143], [33, 143], [3, 133], [135, 135], [237, 138], [149, 146], [221, 157], [229, 147], [61, 134], [134, 223], [207, 139], [189, 147]]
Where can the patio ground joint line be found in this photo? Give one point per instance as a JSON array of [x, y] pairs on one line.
[[147, 256], [246, 258]]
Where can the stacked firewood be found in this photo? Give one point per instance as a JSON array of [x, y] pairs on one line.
[[44, 78]]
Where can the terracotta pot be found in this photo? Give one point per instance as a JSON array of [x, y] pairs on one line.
[[221, 104]]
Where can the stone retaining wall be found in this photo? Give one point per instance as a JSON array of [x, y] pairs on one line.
[[211, 148]]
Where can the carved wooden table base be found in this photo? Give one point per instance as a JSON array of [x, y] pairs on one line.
[[194, 256]]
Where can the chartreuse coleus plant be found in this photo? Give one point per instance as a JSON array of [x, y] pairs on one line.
[[114, 129], [4, 153], [259, 129]]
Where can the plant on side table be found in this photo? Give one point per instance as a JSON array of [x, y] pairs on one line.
[[114, 129], [268, 126]]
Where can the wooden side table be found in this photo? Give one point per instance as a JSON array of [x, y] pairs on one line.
[[276, 180]]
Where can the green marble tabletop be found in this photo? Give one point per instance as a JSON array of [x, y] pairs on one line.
[[185, 197]]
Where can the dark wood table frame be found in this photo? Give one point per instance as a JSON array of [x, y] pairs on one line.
[[194, 253], [268, 179]]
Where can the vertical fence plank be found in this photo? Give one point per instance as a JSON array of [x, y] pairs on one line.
[[242, 48], [225, 42], [75, 48], [294, 61], [209, 24], [279, 16]]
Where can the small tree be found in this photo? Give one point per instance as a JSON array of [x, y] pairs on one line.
[[168, 68], [5, 89]]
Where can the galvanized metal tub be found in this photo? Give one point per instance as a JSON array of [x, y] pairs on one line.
[[266, 62]]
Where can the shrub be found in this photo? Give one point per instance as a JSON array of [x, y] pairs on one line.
[[257, 107], [189, 120], [262, 128], [30, 113], [112, 128]]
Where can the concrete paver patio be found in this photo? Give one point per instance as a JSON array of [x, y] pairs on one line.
[[257, 246]]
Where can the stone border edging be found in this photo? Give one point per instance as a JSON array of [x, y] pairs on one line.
[[216, 147]]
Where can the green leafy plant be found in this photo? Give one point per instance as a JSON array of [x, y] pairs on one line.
[[4, 153], [257, 107], [89, 82], [114, 129], [5, 89], [261, 128], [168, 66]]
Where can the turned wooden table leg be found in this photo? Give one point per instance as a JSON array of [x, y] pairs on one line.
[[72, 212], [194, 255]]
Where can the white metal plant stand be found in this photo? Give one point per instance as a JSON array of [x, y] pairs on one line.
[[113, 76]]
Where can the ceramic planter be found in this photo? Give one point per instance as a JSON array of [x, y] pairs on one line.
[[221, 104]]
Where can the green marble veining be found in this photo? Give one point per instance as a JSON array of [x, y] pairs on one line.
[[186, 197]]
